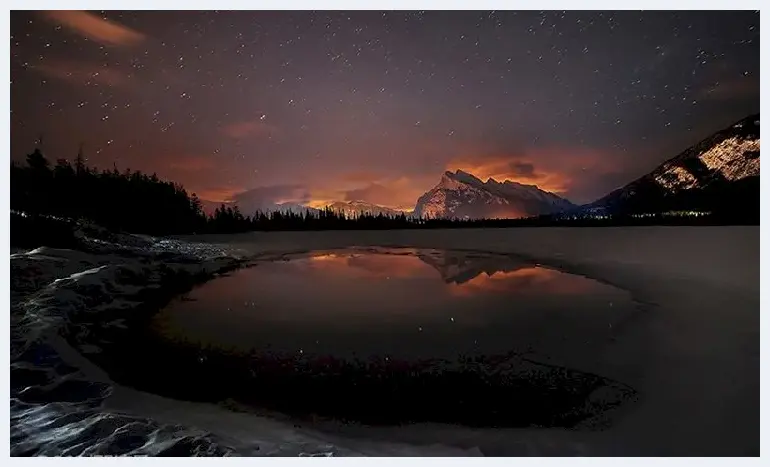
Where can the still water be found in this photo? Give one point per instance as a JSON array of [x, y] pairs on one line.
[[410, 304], [388, 336]]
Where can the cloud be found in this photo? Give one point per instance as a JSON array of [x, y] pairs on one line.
[[524, 170], [265, 197], [249, 128], [502, 168], [400, 193], [366, 177], [370, 192], [570, 172], [82, 73], [95, 28], [218, 195]]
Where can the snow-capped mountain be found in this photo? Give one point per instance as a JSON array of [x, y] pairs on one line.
[[249, 209], [462, 195], [290, 207], [354, 208], [720, 173]]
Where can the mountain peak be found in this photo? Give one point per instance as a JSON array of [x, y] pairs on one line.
[[461, 176], [461, 194]]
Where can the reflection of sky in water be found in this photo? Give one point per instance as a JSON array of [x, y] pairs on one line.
[[398, 302]]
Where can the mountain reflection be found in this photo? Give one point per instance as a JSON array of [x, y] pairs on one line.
[[466, 273]]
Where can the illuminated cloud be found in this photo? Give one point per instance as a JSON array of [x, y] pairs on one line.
[[248, 129], [569, 172], [370, 193], [503, 168], [400, 193], [95, 28], [361, 177], [218, 195], [524, 170]]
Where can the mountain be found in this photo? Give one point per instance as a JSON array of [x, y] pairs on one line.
[[458, 267], [720, 174], [246, 210], [352, 208], [286, 208], [462, 195]]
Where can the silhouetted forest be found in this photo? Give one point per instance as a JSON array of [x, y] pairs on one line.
[[141, 203], [130, 201]]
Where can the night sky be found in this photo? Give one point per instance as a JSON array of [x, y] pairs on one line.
[[313, 107]]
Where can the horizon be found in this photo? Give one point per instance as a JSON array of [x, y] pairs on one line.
[[313, 108]]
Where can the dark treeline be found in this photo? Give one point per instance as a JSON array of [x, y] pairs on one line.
[[140, 203], [129, 201]]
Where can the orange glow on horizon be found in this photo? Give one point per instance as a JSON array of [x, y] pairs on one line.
[[499, 170], [557, 170], [218, 195]]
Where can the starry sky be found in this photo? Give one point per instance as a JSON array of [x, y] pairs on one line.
[[312, 107]]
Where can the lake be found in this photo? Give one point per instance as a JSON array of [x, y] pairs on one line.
[[388, 336]]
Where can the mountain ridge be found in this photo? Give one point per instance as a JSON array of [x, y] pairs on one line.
[[463, 195], [718, 172]]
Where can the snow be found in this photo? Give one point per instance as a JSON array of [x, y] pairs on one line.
[[728, 158]]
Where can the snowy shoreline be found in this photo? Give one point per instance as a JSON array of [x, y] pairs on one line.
[[56, 295]]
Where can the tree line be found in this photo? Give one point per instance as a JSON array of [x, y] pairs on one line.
[[136, 202], [127, 200]]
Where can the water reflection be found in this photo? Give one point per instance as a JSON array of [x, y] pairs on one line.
[[402, 303], [468, 273]]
